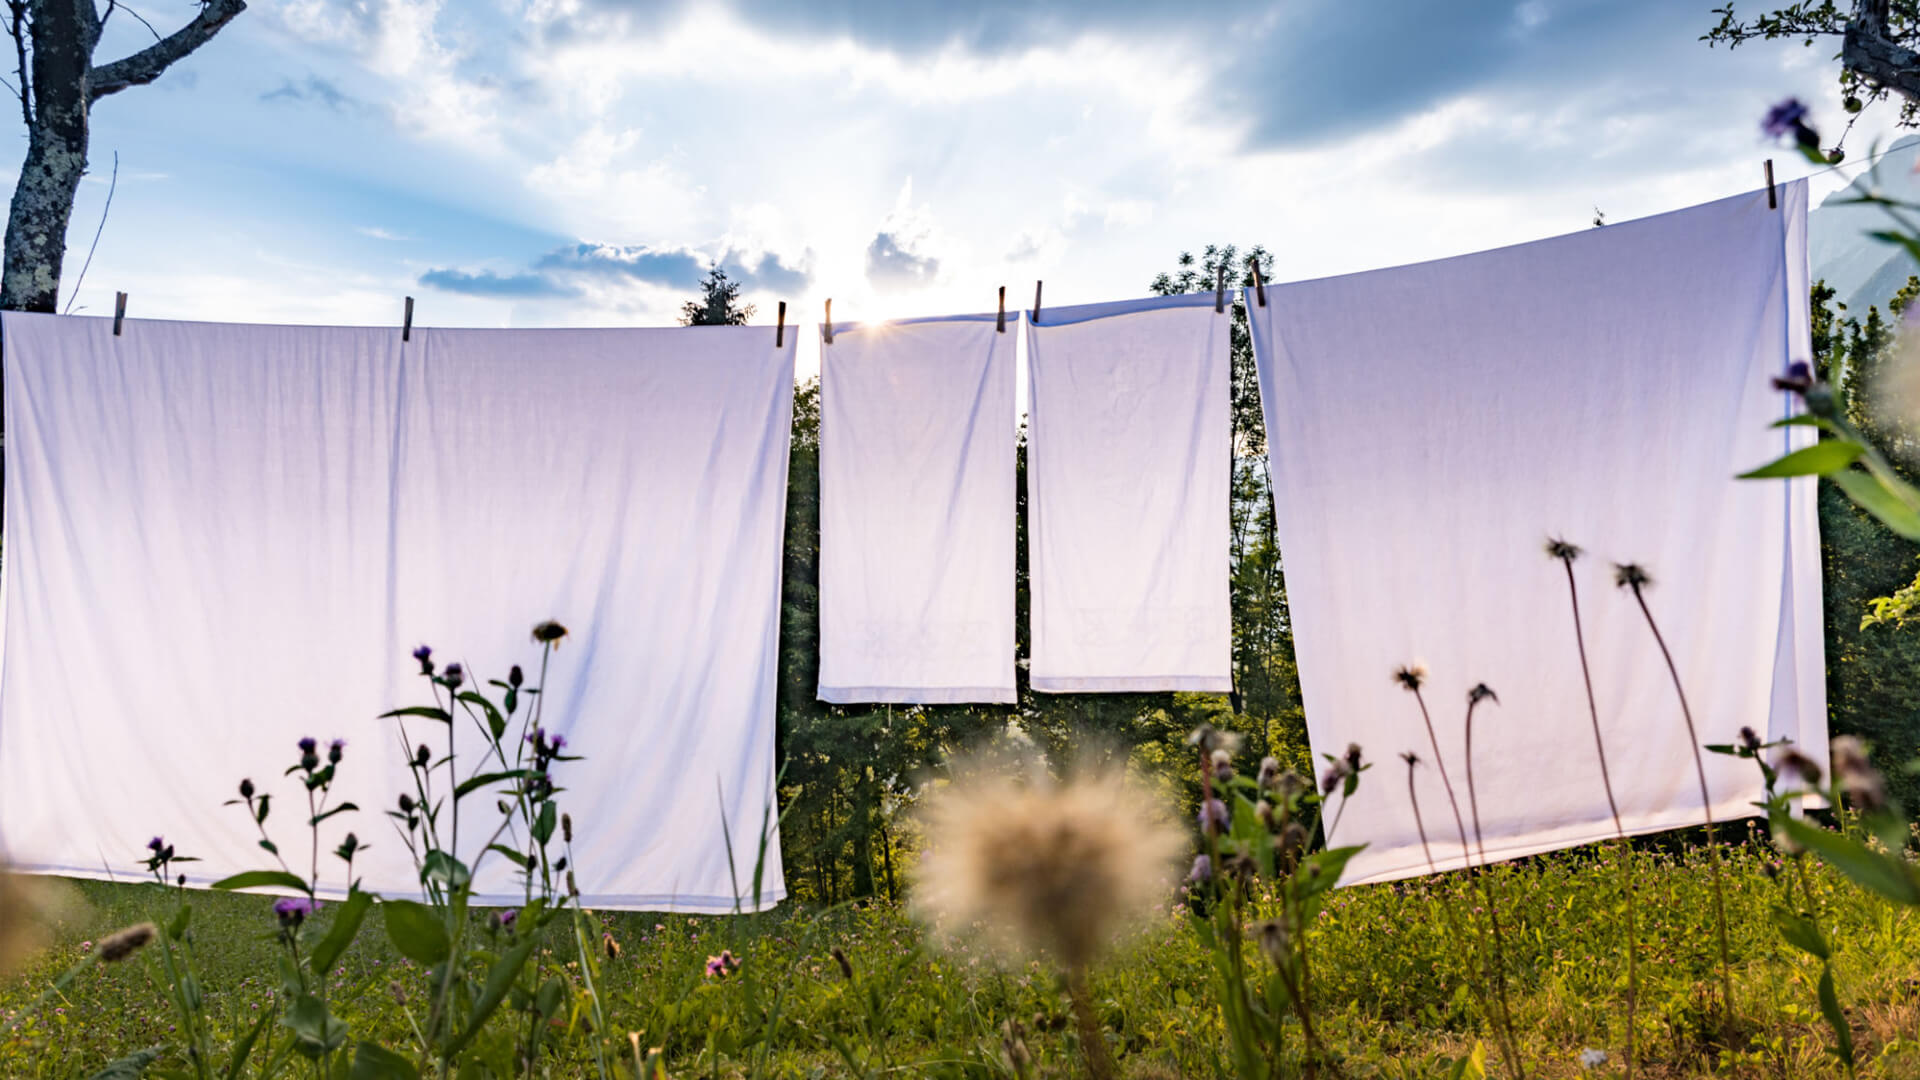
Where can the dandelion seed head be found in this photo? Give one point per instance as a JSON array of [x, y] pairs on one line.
[[1562, 549], [1631, 576], [1411, 675], [1061, 867]]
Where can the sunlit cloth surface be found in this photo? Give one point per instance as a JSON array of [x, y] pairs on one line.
[[917, 511], [1127, 475], [1431, 426], [223, 538]]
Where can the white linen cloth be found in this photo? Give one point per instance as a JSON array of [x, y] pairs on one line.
[[917, 511], [1431, 426], [223, 538], [1129, 445]]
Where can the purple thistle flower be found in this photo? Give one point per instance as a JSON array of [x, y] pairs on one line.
[[308, 745], [1784, 117], [425, 656], [292, 910], [156, 844], [504, 918], [1202, 869], [1213, 817], [455, 675]]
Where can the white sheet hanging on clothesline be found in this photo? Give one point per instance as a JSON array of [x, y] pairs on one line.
[[917, 511], [1127, 481], [1430, 426], [223, 538]]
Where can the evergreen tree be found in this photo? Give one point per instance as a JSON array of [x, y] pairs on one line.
[[719, 303]]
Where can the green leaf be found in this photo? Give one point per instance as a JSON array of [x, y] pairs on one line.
[[263, 879], [1805, 420], [1836, 1019], [416, 931], [372, 1061], [260, 815], [315, 1029], [269, 847], [178, 927], [444, 868], [543, 826], [1885, 874], [1819, 459], [325, 814], [495, 722], [1873, 496], [346, 923], [547, 1002], [431, 712], [500, 978], [243, 1049], [483, 779], [1800, 932], [129, 1067], [518, 859]]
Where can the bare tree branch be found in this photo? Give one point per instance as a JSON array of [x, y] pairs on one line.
[[16, 26], [1871, 52], [146, 65]]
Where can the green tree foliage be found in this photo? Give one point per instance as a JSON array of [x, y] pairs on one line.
[[1873, 649], [719, 303]]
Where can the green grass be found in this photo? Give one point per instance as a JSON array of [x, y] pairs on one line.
[[1390, 986]]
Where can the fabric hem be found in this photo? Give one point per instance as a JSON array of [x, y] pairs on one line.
[[1058, 684], [917, 695]]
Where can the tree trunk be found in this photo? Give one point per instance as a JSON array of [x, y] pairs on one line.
[[63, 39]]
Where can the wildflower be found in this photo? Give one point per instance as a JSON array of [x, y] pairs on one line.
[[719, 967], [333, 750], [548, 633], [1292, 841], [454, 675], [422, 756], [1749, 741], [156, 844], [1631, 576], [846, 965], [1353, 754], [293, 910], [425, 656], [1274, 940], [1789, 117], [1058, 867], [503, 919], [308, 745], [607, 944], [1269, 774], [1411, 675], [1213, 817], [121, 944], [1481, 692], [1222, 766], [1337, 772], [1291, 784], [1202, 870], [1808, 770], [1207, 738], [1562, 550], [1859, 780], [1410, 758], [1797, 380], [1264, 811]]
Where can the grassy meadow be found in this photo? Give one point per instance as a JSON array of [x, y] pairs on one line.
[[1390, 984]]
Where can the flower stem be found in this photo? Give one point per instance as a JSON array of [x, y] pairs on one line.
[[1624, 849], [1493, 911], [1092, 1042], [1706, 808]]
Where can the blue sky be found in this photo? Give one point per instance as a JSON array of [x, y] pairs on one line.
[[551, 162]]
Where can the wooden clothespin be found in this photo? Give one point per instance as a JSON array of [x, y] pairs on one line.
[[1259, 287], [119, 311], [1773, 201], [1220, 289], [780, 328], [1000, 324], [1036, 303], [406, 327], [827, 329]]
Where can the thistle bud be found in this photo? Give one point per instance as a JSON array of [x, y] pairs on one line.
[[422, 756], [514, 677], [1269, 774], [406, 803], [1222, 766], [246, 789]]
